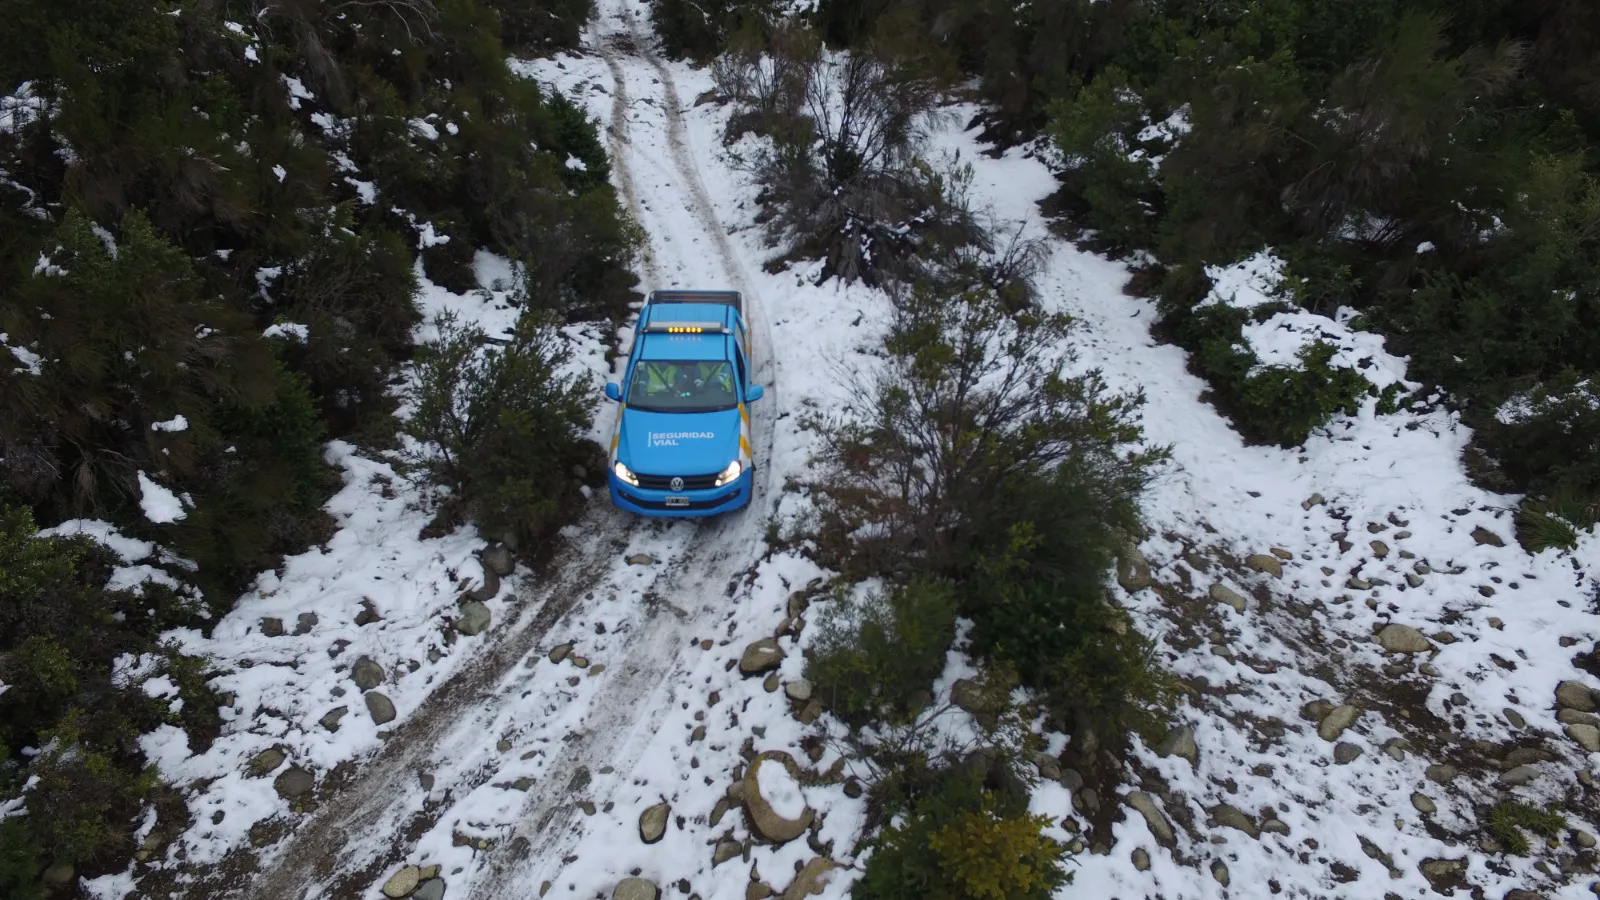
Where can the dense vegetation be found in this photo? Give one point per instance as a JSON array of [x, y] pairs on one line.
[[1425, 164], [211, 218]]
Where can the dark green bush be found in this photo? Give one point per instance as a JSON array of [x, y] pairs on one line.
[[962, 842], [501, 428], [20, 864], [878, 654], [1549, 438]]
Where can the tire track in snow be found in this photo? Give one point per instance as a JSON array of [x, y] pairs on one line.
[[378, 801], [628, 714]]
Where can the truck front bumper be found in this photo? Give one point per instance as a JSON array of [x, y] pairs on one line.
[[681, 504]]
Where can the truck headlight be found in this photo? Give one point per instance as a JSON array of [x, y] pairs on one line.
[[730, 474], [625, 474]]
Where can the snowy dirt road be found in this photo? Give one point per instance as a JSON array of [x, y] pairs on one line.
[[444, 776]]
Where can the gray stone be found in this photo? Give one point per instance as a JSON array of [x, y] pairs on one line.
[[1524, 756], [402, 882], [1071, 779], [331, 719], [1219, 871], [60, 876], [474, 618], [1484, 536], [641, 559], [1049, 767], [1519, 775], [560, 652], [1574, 717], [497, 558], [1585, 840], [1403, 639], [653, 822], [1337, 721], [1141, 859], [1395, 748], [1133, 569], [489, 589], [293, 782], [1146, 806], [1575, 695], [1587, 736], [432, 889], [1345, 752], [271, 627], [1514, 718], [1440, 773], [366, 673], [265, 762], [810, 879], [1423, 803], [760, 657], [770, 683], [764, 820], [304, 622], [635, 889], [1275, 826], [1231, 817], [1221, 593], [1179, 742], [380, 707], [724, 851], [798, 691], [1266, 563]]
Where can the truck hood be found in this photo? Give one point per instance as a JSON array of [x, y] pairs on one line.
[[678, 443]]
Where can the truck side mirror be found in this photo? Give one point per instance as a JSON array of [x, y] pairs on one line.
[[755, 392], [613, 391]]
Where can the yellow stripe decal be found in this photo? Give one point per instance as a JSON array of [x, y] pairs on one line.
[[745, 446], [744, 414]]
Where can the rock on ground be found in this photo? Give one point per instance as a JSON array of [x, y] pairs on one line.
[[1266, 563], [810, 879], [764, 820], [1146, 806], [366, 673], [432, 889], [653, 822], [635, 889], [1587, 736], [1221, 593], [497, 558], [294, 782], [1403, 639], [1133, 569], [402, 882], [381, 708], [1337, 721], [760, 657], [1180, 742], [474, 618], [1575, 695]]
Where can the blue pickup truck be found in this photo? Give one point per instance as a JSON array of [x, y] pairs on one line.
[[682, 445]]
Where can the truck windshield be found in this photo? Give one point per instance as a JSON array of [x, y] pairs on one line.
[[682, 386]]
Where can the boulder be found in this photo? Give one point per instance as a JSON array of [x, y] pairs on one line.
[[402, 882], [1345, 752], [497, 558], [1266, 563], [798, 691], [330, 720], [381, 708], [764, 820], [1337, 721], [1226, 816], [271, 627], [1133, 569], [1423, 803], [641, 559], [635, 889], [431, 889], [304, 622], [366, 673], [1180, 742], [1403, 639], [760, 657], [1575, 695], [1519, 775], [489, 589], [1484, 536], [1146, 806], [293, 782], [653, 822], [59, 876], [724, 851], [474, 618], [811, 879], [1587, 736], [265, 762], [1221, 593]]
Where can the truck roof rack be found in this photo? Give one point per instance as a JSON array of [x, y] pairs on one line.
[[726, 298]]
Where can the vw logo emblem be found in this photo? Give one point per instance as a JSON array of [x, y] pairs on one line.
[[677, 484]]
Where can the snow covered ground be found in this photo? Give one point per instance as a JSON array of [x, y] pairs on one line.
[[534, 758]]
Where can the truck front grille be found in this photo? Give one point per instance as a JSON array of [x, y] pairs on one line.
[[664, 482]]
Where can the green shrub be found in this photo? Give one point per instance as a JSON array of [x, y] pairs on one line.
[[86, 802], [20, 864], [1508, 819], [878, 653], [501, 428], [1548, 439], [962, 842]]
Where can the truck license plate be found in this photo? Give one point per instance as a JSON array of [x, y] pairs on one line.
[[677, 501]]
